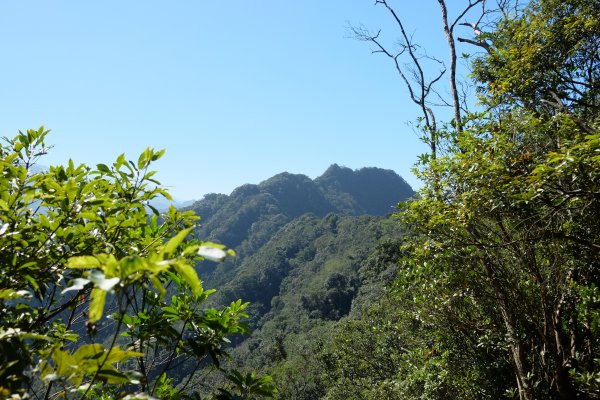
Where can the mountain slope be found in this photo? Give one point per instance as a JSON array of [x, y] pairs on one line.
[[372, 191], [303, 249], [247, 218], [311, 274]]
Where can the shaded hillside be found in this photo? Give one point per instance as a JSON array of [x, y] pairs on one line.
[[304, 255], [229, 219], [311, 274], [318, 258], [252, 214], [372, 191]]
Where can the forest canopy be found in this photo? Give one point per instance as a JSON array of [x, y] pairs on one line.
[[499, 294]]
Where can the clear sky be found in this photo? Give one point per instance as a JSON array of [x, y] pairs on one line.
[[235, 91]]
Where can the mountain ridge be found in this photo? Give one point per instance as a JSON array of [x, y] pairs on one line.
[[252, 214], [341, 190], [308, 254]]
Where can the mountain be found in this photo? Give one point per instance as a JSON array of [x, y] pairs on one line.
[[304, 254], [162, 204], [311, 275], [372, 191], [252, 213], [274, 227]]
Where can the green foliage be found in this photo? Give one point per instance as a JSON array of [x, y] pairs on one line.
[[371, 191], [98, 298], [497, 291], [505, 230], [334, 301], [547, 57], [253, 214], [396, 350], [249, 217], [300, 284], [246, 387]]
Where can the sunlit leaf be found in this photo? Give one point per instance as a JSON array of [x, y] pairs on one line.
[[83, 262], [98, 298], [191, 277], [172, 244]]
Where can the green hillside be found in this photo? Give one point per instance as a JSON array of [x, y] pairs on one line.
[[252, 214], [339, 266], [303, 256]]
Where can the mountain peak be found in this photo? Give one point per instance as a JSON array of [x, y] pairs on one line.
[[372, 190], [285, 196]]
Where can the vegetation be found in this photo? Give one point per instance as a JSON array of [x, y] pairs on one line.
[[253, 214], [88, 283], [109, 305], [309, 274], [486, 284], [500, 289]]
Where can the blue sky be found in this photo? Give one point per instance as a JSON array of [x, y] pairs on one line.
[[235, 91]]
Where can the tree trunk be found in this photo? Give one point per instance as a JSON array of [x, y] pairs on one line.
[[516, 347], [452, 48], [516, 352]]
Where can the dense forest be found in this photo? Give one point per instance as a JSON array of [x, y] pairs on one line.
[[483, 284], [305, 259]]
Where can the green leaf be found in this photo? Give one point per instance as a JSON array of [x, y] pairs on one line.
[[112, 376], [103, 168], [144, 158], [154, 210], [64, 362], [119, 355], [131, 265], [190, 276], [158, 286], [172, 244], [94, 350], [83, 262], [9, 294], [98, 298]]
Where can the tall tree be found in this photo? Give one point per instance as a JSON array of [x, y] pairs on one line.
[[507, 222], [502, 276]]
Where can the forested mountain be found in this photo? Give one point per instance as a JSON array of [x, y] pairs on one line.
[[309, 253], [230, 219], [310, 276], [252, 214]]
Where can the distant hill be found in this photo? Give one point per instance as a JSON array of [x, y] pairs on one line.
[[372, 191], [162, 204], [304, 252], [251, 208], [253, 213]]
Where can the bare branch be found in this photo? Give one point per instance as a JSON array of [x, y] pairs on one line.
[[412, 62], [411, 52], [429, 86], [465, 11], [472, 25], [479, 43]]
